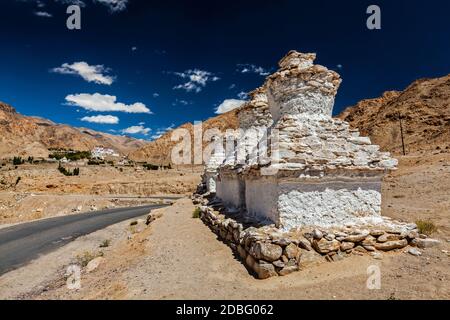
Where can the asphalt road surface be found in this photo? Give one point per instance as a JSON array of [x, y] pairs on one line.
[[24, 242]]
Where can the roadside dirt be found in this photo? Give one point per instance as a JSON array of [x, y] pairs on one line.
[[44, 192]]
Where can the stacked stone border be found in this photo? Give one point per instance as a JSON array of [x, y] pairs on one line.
[[266, 251]]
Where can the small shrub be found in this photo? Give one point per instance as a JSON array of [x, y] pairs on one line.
[[105, 243], [150, 166], [18, 180], [426, 227], [18, 161], [133, 223], [196, 213], [86, 257]]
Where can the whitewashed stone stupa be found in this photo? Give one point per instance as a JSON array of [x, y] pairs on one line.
[[322, 172]]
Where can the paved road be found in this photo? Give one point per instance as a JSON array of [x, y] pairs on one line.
[[21, 243]]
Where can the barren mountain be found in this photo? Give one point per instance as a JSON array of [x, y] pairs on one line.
[[421, 111], [33, 136], [159, 151]]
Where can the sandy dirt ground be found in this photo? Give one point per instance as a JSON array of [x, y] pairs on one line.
[[44, 192], [178, 257]]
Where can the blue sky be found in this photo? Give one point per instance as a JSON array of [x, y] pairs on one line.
[[170, 62]]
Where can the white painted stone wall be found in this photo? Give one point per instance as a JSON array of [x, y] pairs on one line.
[[210, 180], [329, 203], [231, 191], [261, 199]]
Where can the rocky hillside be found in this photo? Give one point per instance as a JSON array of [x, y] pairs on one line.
[[424, 111], [159, 151], [32, 136]]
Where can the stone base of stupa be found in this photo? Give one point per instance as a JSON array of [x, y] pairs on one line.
[[268, 251]]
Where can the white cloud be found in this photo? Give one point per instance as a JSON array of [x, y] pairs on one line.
[[86, 71], [182, 102], [102, 119], [114, 5], [228, 105], [156, 95], [232, 86], [140, 129], [339, 66], [104, 103], [158, 134], [251, 68], [197, 80], [134, 48], [43, 14], [242, 95], [42, 3]]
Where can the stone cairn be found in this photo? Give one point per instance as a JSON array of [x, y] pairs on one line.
[[327, 199]]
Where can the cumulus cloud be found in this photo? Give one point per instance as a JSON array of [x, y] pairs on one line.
[[228, 105], [251, 68], [197, 80], [140, 129], [108, 119], [43, 14], [87, 72], [158, 134], [104, 103]]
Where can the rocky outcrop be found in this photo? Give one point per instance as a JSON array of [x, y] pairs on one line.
[[423, 109]]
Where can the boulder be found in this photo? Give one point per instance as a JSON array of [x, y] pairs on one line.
[[388, 237], [266, 251], [376, 233], [425, 243], [369, 241], [265, 270], [304, 244], [279, 264], [347, 246], [324, 246], [250, 262], [287, 270], [292, 251], [241, 251], [94, 264], [317, 234], [415, 252], [412, 235], [357, 237], [391, 245]]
